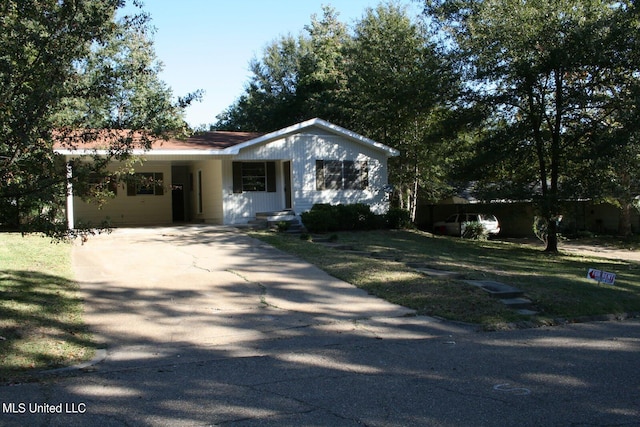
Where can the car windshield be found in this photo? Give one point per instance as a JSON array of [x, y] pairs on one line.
[[452, 218]]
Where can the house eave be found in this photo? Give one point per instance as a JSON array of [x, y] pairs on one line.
[[146, 153], [319, 123], [235, 149]]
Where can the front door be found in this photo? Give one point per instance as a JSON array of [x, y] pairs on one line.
[[177, 202], [286, 172]]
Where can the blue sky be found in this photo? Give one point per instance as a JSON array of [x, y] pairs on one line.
[[207, 44]]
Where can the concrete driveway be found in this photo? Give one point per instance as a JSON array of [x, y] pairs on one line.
[[214, 286], [204, 326]]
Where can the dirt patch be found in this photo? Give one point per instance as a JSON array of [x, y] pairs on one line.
[[585, 248], [602, 251]]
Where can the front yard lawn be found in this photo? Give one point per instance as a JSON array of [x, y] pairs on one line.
[[557, 284], [40, 313]]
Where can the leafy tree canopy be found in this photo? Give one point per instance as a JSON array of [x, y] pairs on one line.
[[384, 78], [67, 68], [553, 77]]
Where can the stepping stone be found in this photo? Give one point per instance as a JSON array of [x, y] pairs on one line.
[[516, 302], [338, 246], [386, 256], [356, 252], [438, 273], [509, 296], [417, 265], [496, 289]]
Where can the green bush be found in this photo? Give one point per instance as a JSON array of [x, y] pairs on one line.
[[324, 218], [474, 230], [319, 220], [398, 218], [355, 217], [283, 226]]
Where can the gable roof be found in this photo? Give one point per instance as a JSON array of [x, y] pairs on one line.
[[224, 143], [319, 123]]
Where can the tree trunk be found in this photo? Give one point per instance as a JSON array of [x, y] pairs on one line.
[[552, 236], [556, 132], [414, 202], [624, 225]]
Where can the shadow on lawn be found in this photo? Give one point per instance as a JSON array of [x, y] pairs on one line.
[[231, 353], [557, 283], [40, 323]]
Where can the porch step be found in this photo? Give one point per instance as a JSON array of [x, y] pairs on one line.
[[274, 218], [275, 215], [257, 224]]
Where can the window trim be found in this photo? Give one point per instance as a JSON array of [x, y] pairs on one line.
[[97, 181], [239, 177], [354, 175], [135, 188]]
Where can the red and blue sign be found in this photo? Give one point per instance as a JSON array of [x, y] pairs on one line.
[[601, 276]]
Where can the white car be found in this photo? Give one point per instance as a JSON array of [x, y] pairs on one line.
[[454, 225]]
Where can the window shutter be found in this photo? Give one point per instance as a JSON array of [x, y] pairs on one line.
[[131, 187], [364, 175], [319, 175], [159, 184], [271, 177], [237, 177]]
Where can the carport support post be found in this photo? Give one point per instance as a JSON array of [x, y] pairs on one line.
[[70, 219]]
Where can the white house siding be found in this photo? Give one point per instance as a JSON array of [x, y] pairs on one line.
[[312, 147], [212, 201], [239, 208], [303, 150], [130, 210]]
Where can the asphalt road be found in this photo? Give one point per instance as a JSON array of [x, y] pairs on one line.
[[213, 328]]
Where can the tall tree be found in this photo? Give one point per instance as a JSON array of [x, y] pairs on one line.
[[399, 86], [615, 161], [323, 81], [296, 78], [39, 44], [385, 79], [117, 86], [270, 100], [66, 65], [540, 68]]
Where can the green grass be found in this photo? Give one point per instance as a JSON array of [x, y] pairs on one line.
[[557, 284], [40, 312]]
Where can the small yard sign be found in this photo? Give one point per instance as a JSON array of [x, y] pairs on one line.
[[601, 276]]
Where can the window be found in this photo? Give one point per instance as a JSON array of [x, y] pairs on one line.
[[342, 175], [254, 176], [146, 183], [99, 183]]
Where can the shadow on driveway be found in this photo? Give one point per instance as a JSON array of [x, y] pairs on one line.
[[205, 326]]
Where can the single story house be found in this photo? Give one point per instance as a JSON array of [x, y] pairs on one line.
[[229, 177]]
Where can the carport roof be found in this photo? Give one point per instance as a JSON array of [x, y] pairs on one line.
[[92, 141]]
